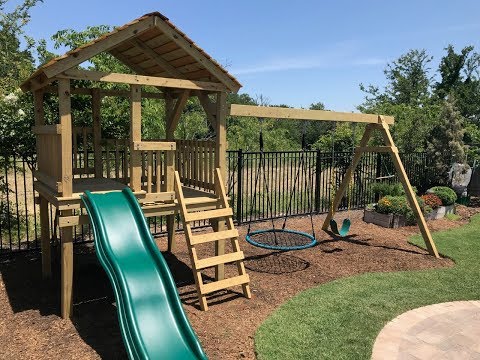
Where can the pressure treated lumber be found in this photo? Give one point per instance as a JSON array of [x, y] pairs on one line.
[[303, 114], [236, 255], [141, 80]]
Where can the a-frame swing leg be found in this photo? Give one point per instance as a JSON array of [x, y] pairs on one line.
[[412, 199], [348, 175]]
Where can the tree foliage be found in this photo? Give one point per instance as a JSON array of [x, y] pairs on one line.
[[445, 144]]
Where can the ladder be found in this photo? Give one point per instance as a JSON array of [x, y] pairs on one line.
[[223, 211]]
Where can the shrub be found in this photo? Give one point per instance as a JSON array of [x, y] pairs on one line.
[[447, 195], [432, 201], [392, 205], [399, 205], [385, 189]]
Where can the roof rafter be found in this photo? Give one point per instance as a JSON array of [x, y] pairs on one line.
[[196, 54], [165, 65]]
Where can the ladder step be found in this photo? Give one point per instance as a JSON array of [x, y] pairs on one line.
[[209, 214], [214, 236], [225, 283], [220, 259]]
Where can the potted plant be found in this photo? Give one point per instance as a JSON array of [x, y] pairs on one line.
[[432, 205], [391, 211], [447, 197]]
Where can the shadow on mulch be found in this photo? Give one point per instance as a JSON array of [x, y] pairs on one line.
[[95, 313]]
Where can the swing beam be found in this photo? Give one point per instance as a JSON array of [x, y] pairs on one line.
[[374, 123]]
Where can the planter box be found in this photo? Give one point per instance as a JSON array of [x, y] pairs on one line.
[[440, 212], [384, 220]]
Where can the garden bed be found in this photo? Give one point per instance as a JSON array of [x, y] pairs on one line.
[[30, 327], [384, 220]]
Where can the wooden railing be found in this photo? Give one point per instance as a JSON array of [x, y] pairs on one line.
[[116, 159], [82, 141], [195, 162]]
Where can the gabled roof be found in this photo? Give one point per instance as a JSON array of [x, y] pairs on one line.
[[150, 45]]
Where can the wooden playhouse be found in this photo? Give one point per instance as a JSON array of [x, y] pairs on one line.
[[72, 160]]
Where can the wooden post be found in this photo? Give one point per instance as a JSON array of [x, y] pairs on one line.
[[135, 135], [64, 101], [412, 199], [173, 114], [348, 175], [44, 214], [220, 162], [170, 168], [97, 133]]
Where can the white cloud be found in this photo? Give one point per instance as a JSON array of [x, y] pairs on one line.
[[343, 54]]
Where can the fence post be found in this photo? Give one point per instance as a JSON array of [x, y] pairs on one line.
[[318, 175], [378, 173], [239, 186]]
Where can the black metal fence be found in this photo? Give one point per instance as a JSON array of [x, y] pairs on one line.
[[260, 186]]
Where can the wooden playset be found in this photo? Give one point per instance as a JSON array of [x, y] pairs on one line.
[[163, 58]]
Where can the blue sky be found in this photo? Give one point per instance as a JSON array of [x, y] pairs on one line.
[[292, 52]]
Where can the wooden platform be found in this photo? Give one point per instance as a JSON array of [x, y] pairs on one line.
[[154, 204]]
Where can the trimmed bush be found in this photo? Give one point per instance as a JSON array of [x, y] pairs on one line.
[[447, 195]]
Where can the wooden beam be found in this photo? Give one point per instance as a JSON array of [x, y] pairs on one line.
[[154, 145], [303, 114], [47, 129], [172, 112], [164, 64], [197, 54], [48, 180], [83, 54], [141, 80], [174, 118], [97, 132], [64, 102], [412, 199], [208, 107], [348, 176], [45, 238], [135, 136], [378, 149], [105, 92]]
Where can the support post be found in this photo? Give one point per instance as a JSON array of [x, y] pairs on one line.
[[170, 168], [97, 133], [67, 183], [174, 112], [135, 136], [348, 175], [412, 199], [45, 239], [220, 163], [239, 187]]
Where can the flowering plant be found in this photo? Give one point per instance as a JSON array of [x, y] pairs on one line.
[[432, 200]]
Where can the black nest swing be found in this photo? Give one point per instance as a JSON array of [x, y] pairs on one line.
[[275, 238]]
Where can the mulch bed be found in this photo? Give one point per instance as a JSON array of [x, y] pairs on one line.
[[30, 326]]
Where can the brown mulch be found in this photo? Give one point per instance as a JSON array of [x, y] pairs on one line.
[[30, 327]]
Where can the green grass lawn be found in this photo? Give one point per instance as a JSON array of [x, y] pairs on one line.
[[341, 319]]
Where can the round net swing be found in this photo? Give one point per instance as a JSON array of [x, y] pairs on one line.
[[280, 238]]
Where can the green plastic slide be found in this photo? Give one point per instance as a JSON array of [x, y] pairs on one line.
[[152, 320]]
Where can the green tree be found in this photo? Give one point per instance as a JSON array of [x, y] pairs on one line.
[[409, 78], [459, 75], [407, 97], [16, 64], [445, 145]]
